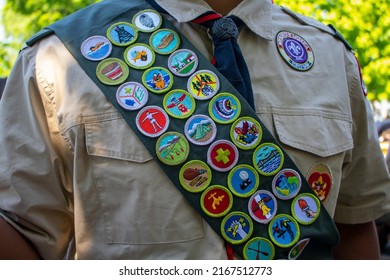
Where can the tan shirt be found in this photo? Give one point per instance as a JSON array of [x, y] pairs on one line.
[[72, 172]]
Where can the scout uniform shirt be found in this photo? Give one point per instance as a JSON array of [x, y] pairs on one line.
[[74, 172]]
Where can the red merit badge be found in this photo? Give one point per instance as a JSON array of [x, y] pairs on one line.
[[216, 201], [222, 155], [152, 121], [320, 180]]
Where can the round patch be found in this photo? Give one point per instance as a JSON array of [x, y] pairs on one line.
[[152, 121], [132, 96], [179, 104], [224, 108], [298, 248], [122, 33], [236, 227], [172, 148], [195, 176], [306, 208], [286, 184], [259, 248], [222, 155], [164, 41], [200, 130], [147, 20], [183, 62], [284, 230], [243, 180], [262, 206], [320, 180], [268, 159], [112, 71], [96, 48], [295, 51], [139, 56], [203, 84], [246, 133], [157, 79], [216, 201]]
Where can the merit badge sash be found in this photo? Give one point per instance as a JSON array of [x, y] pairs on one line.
[[200, 130]]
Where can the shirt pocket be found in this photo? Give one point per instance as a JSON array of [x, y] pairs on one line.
[[138, 202]]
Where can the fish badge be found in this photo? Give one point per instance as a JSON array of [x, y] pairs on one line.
[[139, 56]]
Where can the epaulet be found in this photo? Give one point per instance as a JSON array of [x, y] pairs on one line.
[[330, 29], [38, 36]]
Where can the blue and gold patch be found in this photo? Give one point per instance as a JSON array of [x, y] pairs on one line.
[[243, 180], [237, 227], [139, 56], [284, 230]]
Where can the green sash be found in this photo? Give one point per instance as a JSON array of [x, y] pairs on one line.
[[251, 236]]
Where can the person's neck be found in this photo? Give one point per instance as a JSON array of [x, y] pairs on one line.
[[223, 6]]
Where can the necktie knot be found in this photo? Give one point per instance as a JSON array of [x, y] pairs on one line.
[[224, 29]]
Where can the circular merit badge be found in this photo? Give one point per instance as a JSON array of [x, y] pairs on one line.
[[237, 227], [268, 159], [157, 79], [195, 176], [286, 184], [164, 41], [224, 108], [139, 56], [203, 84], [112, 71], [262, 206], [200, 130], [246, 133], [243, 180], [122, 33], [295, 51], [152, 121], [96, 48], [216, 201], [172, 148], [183, 62], [259, 248], [147, 20], [306, 208], [222, 155], [132, 96], [179, 104], [284, 230]]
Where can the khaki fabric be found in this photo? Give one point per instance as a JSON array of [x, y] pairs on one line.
[[72, 172]]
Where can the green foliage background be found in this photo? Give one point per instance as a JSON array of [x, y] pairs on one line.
[[364, 23]]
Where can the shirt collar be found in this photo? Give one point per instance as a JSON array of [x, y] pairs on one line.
[[256, 14]]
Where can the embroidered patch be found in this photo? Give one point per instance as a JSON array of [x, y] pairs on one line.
[[236, 227], [298, 248], [132, 96], [222, 155], [122, 34], [259, 248], [216, 201], [284, 230], [286, 184], [157, 79], [179, 104], [112, 71], [147, 20], [200, 130], [152, 121], [195, 176], [268, 159], [262, 206], [183, 62], [164, 41], [203, 84], [243, 180], [224, 108], [295, 50], [139, 56], [172, 148], [96, 48], [246, 133], [321, 180], [305, 208]]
